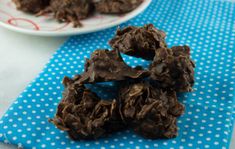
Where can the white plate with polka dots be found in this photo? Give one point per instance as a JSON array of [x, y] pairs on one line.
[[18, 21]]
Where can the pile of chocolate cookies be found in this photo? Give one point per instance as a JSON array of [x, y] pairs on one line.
[[146, 100], [75, 10]]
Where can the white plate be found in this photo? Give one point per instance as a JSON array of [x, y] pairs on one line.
[[18, 21]]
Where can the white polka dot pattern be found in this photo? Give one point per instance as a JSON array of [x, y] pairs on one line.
[[207, 26]]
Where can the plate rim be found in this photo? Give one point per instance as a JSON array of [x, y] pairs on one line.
[[130, 15]]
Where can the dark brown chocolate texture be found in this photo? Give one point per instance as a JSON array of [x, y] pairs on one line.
[[173, 68], [140, 42], [150, 111], [146, 101], [116, 6], [75, 10], [31, 6], [70, 10], [84, 115], [105, 65]]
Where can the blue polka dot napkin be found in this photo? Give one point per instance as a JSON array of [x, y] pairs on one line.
[[207, 26]]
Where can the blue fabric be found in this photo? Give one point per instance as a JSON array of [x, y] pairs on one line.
[[207, 26]]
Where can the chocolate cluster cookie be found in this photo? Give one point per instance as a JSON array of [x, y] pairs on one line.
[[31, 6], [173, 68], [84, 115], [106, 65], [70, 10], [150, 111], [116, 6], [141, 42]]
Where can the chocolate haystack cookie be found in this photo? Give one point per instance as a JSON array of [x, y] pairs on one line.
[[84, 115], [173, 68], [70, 10], [105, 65], [150, 111], [116, 6], [140, 42], [31, 6]]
